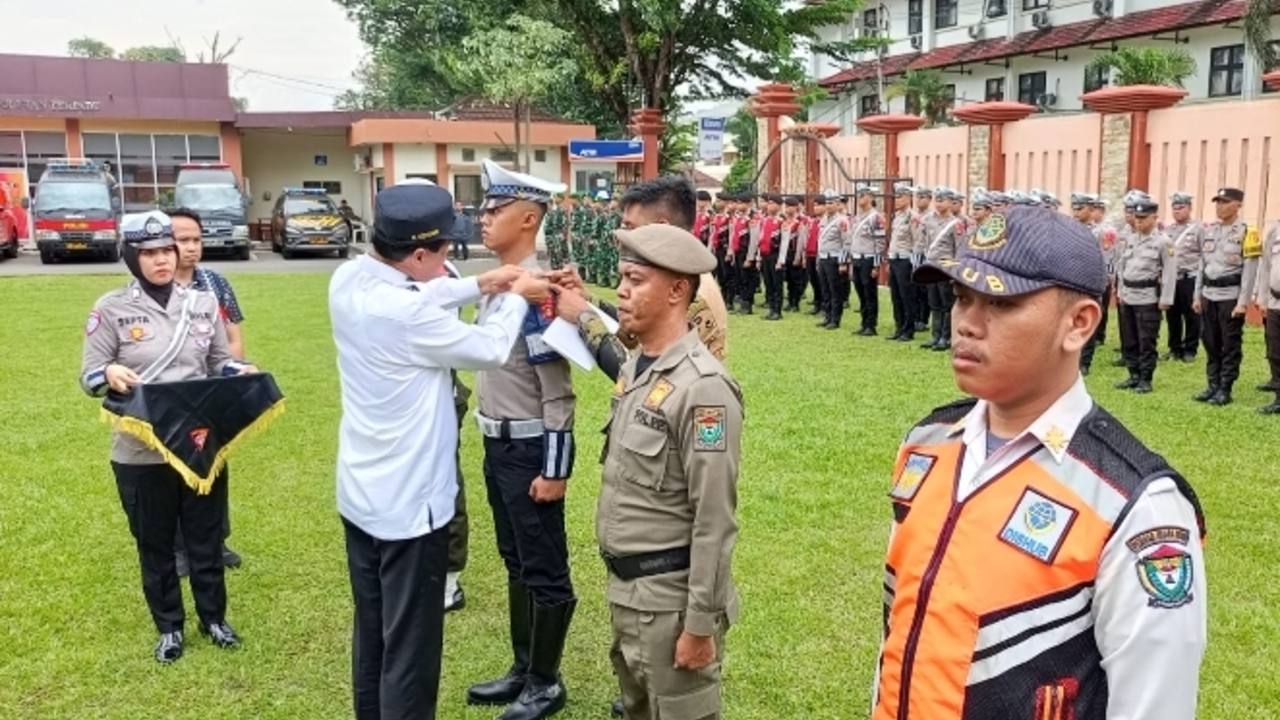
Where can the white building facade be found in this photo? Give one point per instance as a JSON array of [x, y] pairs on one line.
[[1033, 51]]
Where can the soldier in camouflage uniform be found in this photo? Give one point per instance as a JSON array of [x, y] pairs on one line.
[[582, 221], [611, 220], [553, 229]]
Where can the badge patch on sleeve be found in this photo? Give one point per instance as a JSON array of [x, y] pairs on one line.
[[912, 476], [708, 429], [1038, 525], [1164, 566], [90, 325]]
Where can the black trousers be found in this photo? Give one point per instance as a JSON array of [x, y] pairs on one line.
[[398, 635], [180, 544], [815, 280], [941, 297], [864, 282], [835, 288], [1183, 322], [1223, 341], [531, 537], [748, 279], [726, 276], [155, 499], [797, 278], [902, 292], [1141, 333], [1272, 331], [922, 304], [773, 277]]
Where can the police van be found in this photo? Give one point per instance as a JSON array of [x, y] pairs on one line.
[[305, 220], [212, 191], [77, 211]]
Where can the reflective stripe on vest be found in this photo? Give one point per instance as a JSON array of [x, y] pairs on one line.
[[989, 601]]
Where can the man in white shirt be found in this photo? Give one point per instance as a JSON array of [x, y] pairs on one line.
[[1043, 562], [398, 339]]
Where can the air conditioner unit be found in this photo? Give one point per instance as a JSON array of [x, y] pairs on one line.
[[976, 32], [1040, 19], [916, 42], [1102, 8], [1045, 101]]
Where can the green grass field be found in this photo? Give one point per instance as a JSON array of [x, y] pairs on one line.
[[825, 412]]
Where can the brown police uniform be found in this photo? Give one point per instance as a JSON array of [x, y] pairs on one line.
[[666, 520]]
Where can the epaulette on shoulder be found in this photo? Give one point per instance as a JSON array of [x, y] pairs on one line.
[[706, 363], [949, 413]]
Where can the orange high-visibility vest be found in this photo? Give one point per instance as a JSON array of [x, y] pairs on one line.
[[988, 602]]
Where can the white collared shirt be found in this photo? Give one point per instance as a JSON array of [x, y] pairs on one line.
[[397, 341], [1151, 655]]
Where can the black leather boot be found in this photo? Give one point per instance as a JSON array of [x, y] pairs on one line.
[[544, 693], [1273, 408], [507, 688], [1207, 394], [1222, 397], [1130, 383]]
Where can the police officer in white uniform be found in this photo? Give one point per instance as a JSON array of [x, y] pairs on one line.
[[397, 340]]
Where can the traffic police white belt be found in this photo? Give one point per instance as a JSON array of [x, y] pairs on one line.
[[899, 256], [509, 429]]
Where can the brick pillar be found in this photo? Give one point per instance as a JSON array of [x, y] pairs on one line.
[[986, 123], [388, 165], [75, 143], [442, 166], [648, 124], [1126, 155], [771, 102], [231, 148]]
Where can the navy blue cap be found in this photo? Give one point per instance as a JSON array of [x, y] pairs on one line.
[[1022, 250], [1146, 207], [409, 214]]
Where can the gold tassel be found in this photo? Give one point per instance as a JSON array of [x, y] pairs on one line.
[[144, 432]]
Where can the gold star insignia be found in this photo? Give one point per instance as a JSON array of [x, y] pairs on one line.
[[1056, 439]]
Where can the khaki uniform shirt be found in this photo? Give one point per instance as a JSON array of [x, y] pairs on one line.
[[865, 239], [924, 223], [670, 479], [127, 327], [521, 391], [831, 235], [945, 234], [1186, 239], [1269, 270], [1147, 259], [1226, 251], [902, 240]]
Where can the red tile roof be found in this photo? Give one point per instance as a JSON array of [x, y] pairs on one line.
[[1148, 22]]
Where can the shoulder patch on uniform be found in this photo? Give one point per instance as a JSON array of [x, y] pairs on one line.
[[658, 394], [92, 324], [1038, 525], [708, 428], [1252, 246], [1164, 566], [914, 471]]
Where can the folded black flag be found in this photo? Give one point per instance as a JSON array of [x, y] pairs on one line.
[[195, 424]]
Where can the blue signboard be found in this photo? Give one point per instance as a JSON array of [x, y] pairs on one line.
[[606, 150]]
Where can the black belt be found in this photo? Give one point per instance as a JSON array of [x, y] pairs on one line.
[[1141, 284], [646, 564], [1275, 295], [1223, 282]]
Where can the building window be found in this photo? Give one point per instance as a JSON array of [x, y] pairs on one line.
[[41, 148], [1035, 4], [1031, 86], [915, 17], [995, 89], [204, 148], [1226, 70], [468, 155], [997, 8], [1095, 78], [330, 187], [868, 105], [1275, 47], [501, 155], [946, 13], [467, 189], [949, 95], [870, 23], [540, 156]]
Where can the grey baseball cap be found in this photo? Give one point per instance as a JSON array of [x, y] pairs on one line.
[[1022, 250]]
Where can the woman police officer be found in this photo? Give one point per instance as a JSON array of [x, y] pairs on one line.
[[152, 330]]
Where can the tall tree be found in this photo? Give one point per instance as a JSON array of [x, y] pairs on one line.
[[92, 48], [517, 63], [927, 95], [1147, 66], [1257, 31]]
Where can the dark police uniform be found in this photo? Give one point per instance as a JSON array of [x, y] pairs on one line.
[[525, 414], [665, 519]]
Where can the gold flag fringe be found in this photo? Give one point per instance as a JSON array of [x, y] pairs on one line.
[[142, 430]]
